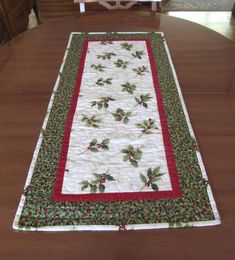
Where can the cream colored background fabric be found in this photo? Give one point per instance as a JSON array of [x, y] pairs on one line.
[[81, 167]]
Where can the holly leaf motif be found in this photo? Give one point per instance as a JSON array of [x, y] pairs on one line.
[[130, 148], [106, 141], [101, 188], [149, 172], [147, 126], [121, 115], [143, 178], [98, 183], [105, 147], [153, 175], [127, 46], [124, 150], [84, 187], [98, 67], [138, 54], [128, 87], [145, 105], [100, 105], [133, 155], [92, 121], [138, 154], [94, 149], [156, 170], [143, 99], [106, 55], [94, 146], [154, 187], [126, 158], [97, 175], [141, 70], [109, 177], [121, 64], [84, 184], [93, 141], [102, 102], [103, 82], [93, 189], [134, 163], [125, 120], [93, 103]]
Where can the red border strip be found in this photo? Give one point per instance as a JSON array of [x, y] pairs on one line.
[[166, 136], [175, 192]]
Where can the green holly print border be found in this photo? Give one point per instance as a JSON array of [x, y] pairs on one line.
[[40, 210]]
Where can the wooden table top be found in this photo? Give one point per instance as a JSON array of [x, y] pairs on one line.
[[205, 64]]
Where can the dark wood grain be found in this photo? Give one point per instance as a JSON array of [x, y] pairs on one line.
[[205, 64], [221, 22]]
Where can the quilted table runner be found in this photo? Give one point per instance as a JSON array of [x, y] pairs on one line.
[[116, 150]]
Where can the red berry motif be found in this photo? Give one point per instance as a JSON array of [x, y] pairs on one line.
[[122, 227], [102, 181]]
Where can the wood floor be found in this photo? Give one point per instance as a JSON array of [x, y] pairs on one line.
[[57, 8], [221, 22]]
